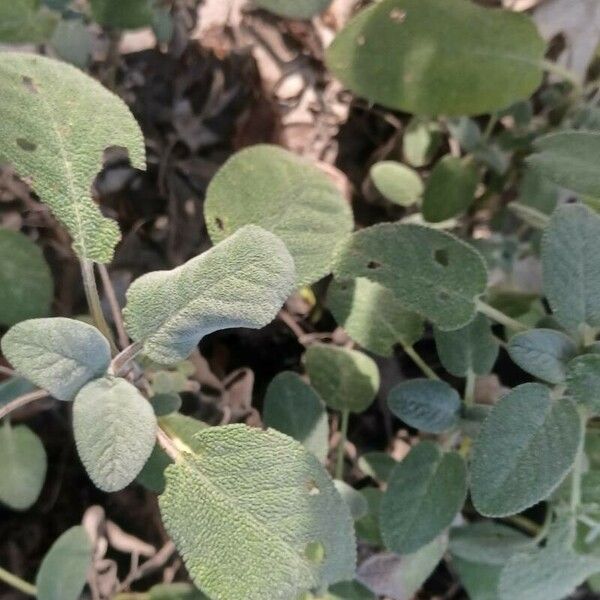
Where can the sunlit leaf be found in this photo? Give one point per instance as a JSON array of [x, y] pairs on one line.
[[583, 381], [397, 182]]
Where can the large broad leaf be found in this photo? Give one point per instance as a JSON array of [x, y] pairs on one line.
[[255, 516], [367, 527], [570, 250], [431, 406], [357, 503], [292, 9], [24, 21], [294, 408], [480, 580], [430, 272], [450, 188], [372, 316], [543, 352], [131, 14], [345, 379], [63, 571], [583, 381], [22, 466], [397, 182], [436, 60], [60, 355], [241, 282], [53, 133], [275, 189], [115, 430], [525, 449], [424, 493], [472, 348], [25, 279], [570, 159]]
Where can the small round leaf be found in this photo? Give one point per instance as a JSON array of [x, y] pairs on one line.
[[397, 182]]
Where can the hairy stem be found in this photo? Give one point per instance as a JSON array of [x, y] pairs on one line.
[[470, 387], [22, 401], [126, 355], [115, 309], [17, 583], [499, 316], [339, 465], [416, 358], [6, 371], [564, 73]]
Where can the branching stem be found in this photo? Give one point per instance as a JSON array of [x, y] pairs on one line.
[[126, 355], [115, 309], [500, 317], [17, 583]]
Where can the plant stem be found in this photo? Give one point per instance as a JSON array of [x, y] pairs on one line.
[[339, 465], [489, 128], [93, 300], [6, 371], [524, 523], [121, 359], [21, 401], [166, 443], [470, 387], [416, 358], [115, 309], [563, 73], [17, 583], [499, 316], [578, 466]]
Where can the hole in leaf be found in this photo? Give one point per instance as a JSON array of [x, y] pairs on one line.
[[29, 85], [398, 15], [443, 296], [313, 489], [441, 256], [315, 552], [26, 145], [373, 264], [219, 223]]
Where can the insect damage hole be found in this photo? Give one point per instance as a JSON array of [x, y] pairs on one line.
[[315, 552], [313, 489], [373, 264], [29, 85], [219, 223], [26, 145], [441, 257]]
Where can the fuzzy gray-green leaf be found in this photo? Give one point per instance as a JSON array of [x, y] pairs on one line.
[[115, 431], [57, 354], [55, 124], [241, 282], [292, 9], [583, 381], [397, 182], [430, 272], [246, 511]]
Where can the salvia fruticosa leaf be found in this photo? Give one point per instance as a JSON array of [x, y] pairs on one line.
[[132, 14], [345, 379], [292, 9], [426, 57], [377, 465], [59, 355], [115, 431], [471, 348], [356, 502], [544, 353], [23, 466], [425, 492], [372, 316], [398, 183], [55, 124], [569, 159], [570, 250], [347, 590], [430, 272], [431, 406], [26, 21], [285, 194], [241, 282], [293, 407], [583, 381], [218, 508], [63, 571], [367, 527], [25, 280], [525, 449]]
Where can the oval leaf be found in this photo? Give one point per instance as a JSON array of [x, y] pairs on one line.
[[356, 502], [431, 406], [288, 196], [345, 379], [436, 62], [583, 381], [59, 355], [525, 449], [249, 511], [241, 282], [292, 9], [23, 465], [25, 280], [52, 132], [397, 182], [430, 272], [132, 14], [424, 494], [63, 571], [115, 431]]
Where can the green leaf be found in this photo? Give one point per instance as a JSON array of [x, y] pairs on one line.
[[583, 381], [286, 195], [479, 580], [248, 511], [430, 272], [23, 21], [367, 527], [13, 388], [175, 591], [292, 9], [59, 355], [421, 140], [377, 465], [543, 352], [372, 316], [241, 282], [22, 466], [345, 379], [294, 408], [165, 404], [436, 62], [569, 159], [26, 286], [431, 406], [55, 124], [115, 431], [131, 14], [397, 182], [72, 42], [63, 571], [357, 503], [472, 348], [525, 449], [348, 590], [450, 189], [570, 250], [425, 492]]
